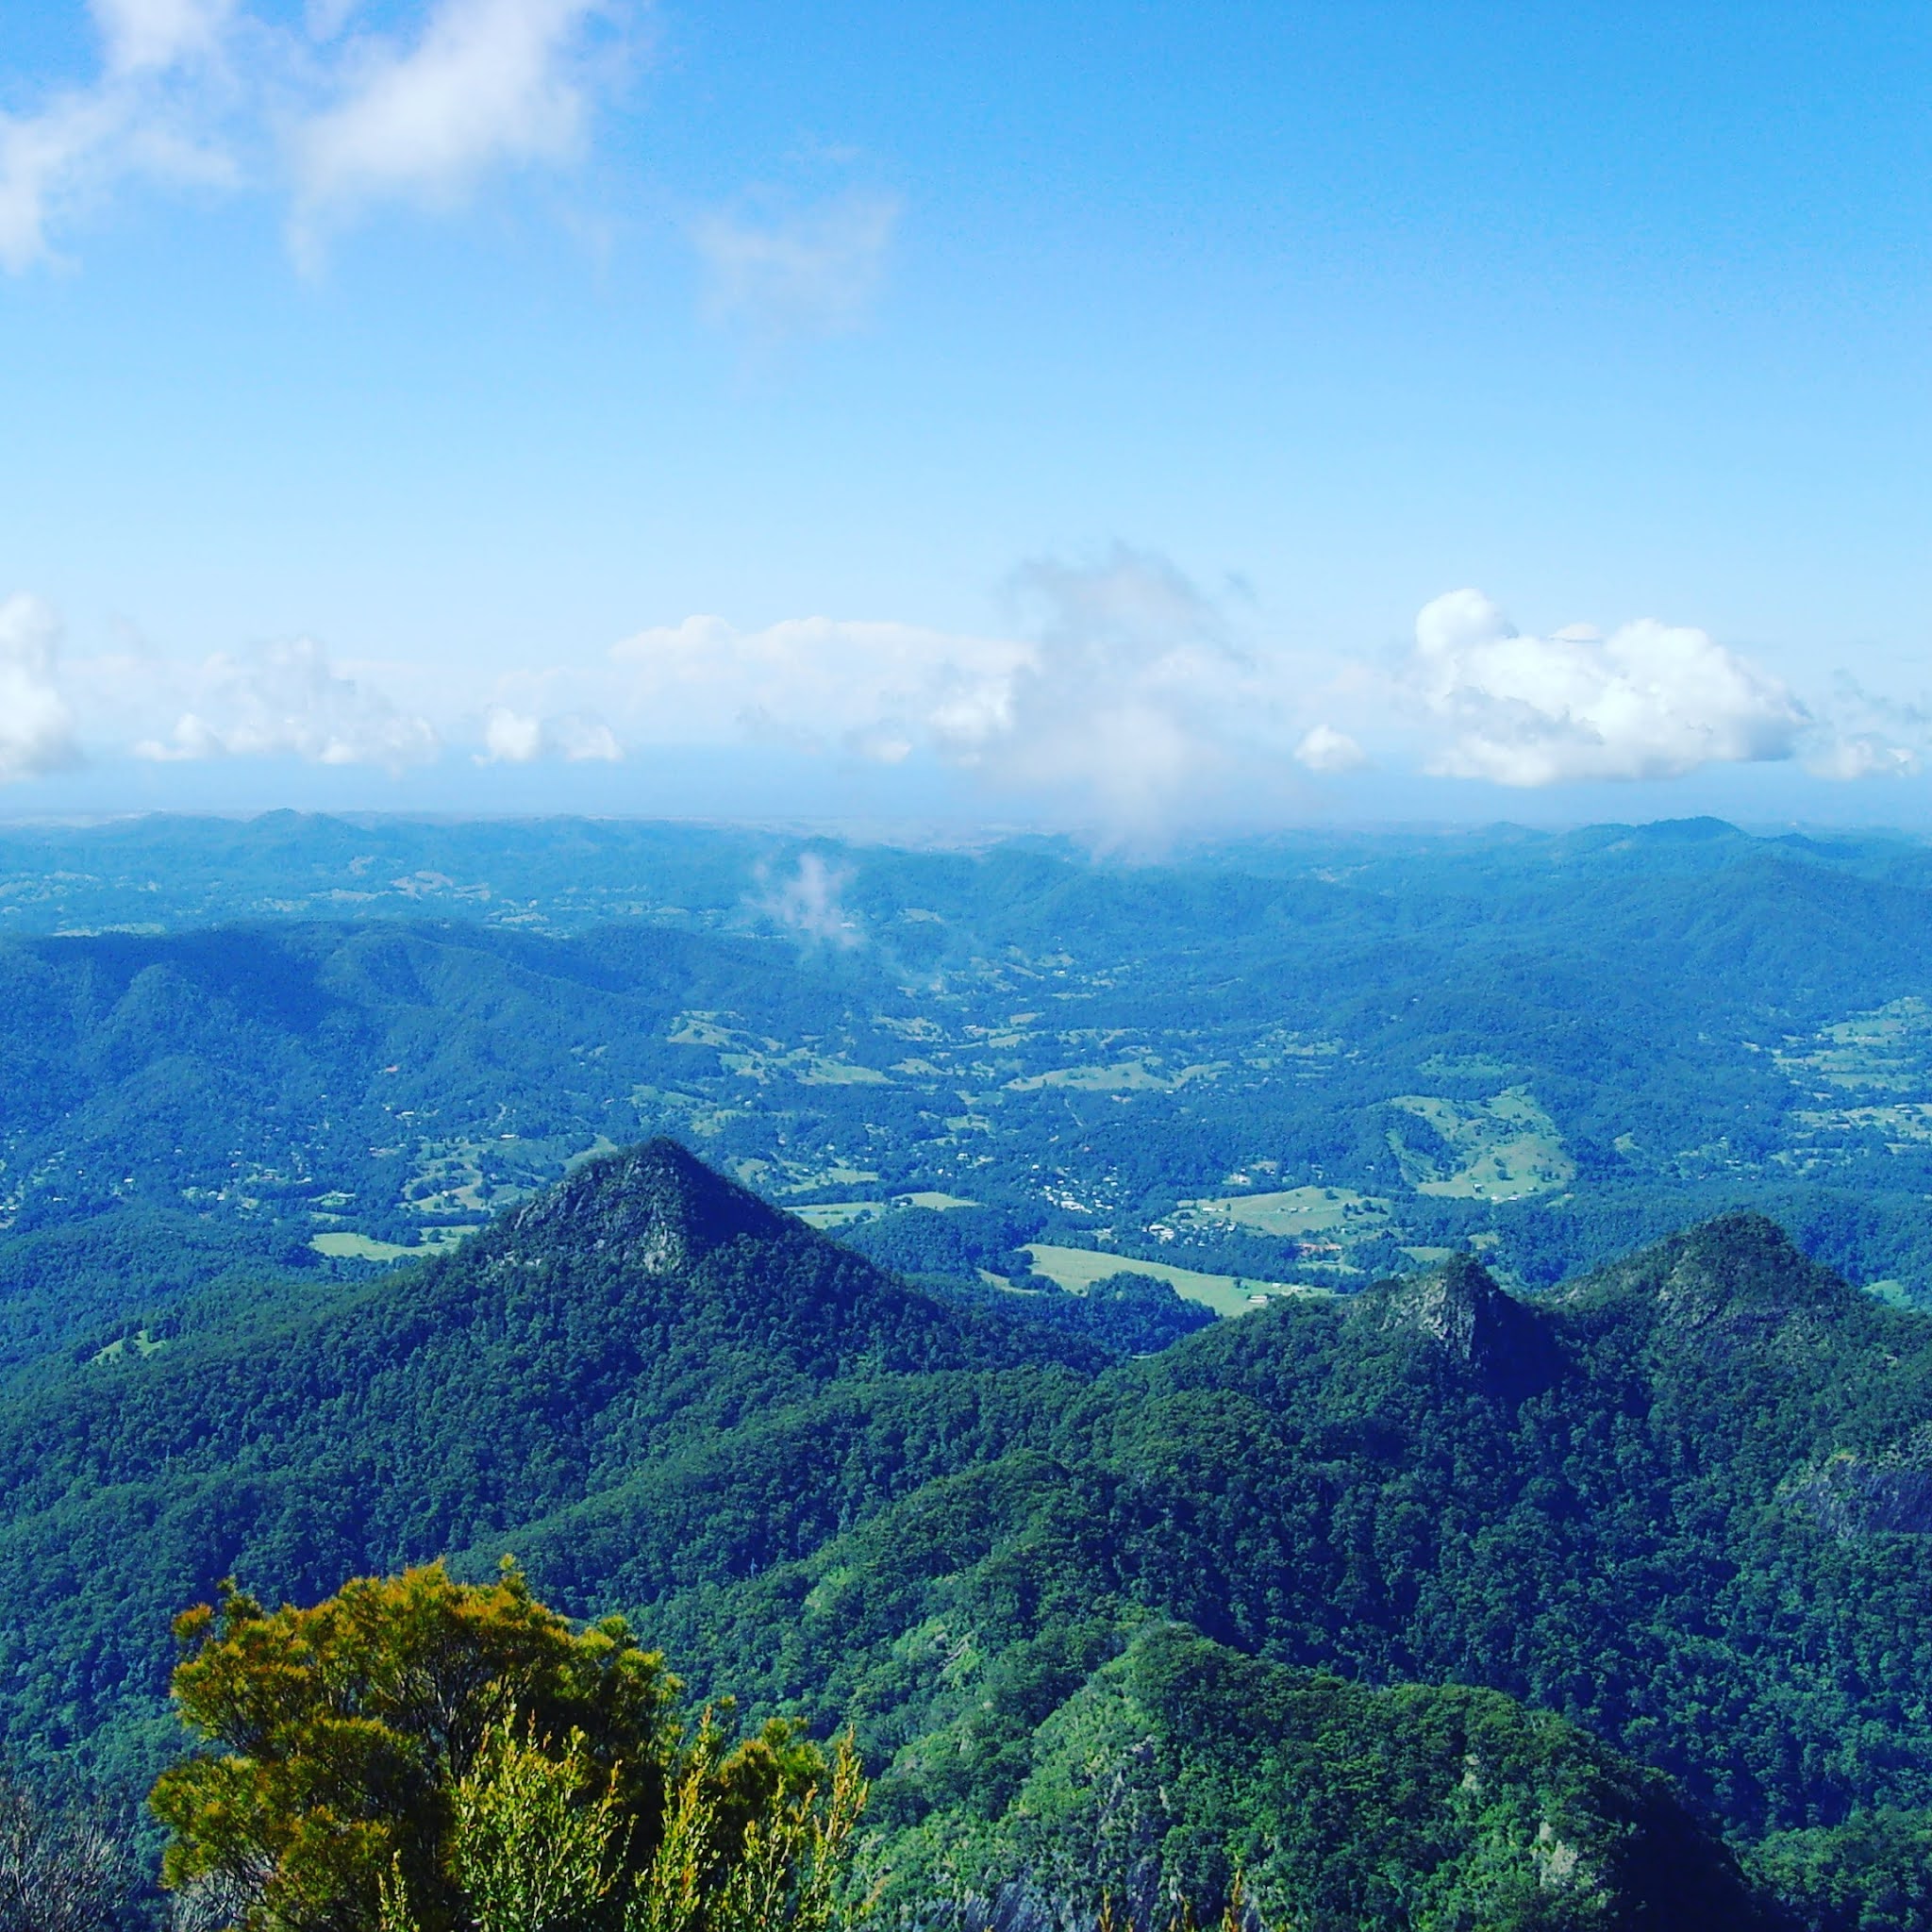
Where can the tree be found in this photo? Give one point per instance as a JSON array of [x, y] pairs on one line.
[[530, 1855], [418, 1753], [59, 1871]]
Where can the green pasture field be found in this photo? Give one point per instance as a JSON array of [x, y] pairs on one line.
[[835, 1214], [362, 1247], [1077, 1269], [1502, 1149], [1293, 1212]]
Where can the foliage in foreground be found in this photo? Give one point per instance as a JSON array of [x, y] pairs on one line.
[[60, 1871], [1684, 1504], [417, 1755]]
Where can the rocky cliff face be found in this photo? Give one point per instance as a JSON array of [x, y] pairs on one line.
[[1887, 1492], [657, 1209], [1461, 1308]]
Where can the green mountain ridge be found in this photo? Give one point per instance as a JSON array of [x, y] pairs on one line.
[[1181, 1764], [361, 1033], [641, 1311], [1659, 1523]]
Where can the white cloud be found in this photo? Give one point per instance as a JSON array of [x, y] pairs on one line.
[[510, 739], [152, 112], [212, 93], [516, 737], [874, 690], [798, 271], [1123, 691], [810, 904], [1325, 750], [1649, 701], [36, 725], [1130, 697], [287, 700], [1866, 736], [146, 34], [487, 83], [1864, 755], [40, 157]]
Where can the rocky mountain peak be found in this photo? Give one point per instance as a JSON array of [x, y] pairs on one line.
[[656, 1207], [1740, 1269], [1461, 1307]]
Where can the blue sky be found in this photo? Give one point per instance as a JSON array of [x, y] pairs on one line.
[[1015, 412]]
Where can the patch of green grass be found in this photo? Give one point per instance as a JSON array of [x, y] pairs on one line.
[[1466, 1066], [820, 1071], [1887, 1049], [1293, 1212], [1077, 1269], [805, 1180], [362, 1247], [1903, 1123], [1502, 1149], [1893, 1294], [1124, 1076], [827, 1214], [142, 1345], [834, 1214], [756, 1057]]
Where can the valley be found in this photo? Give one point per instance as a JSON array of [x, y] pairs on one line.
[[1432, 1036], [1326, 1341]]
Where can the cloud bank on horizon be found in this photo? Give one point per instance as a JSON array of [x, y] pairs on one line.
[[1090, 333], [1117, 694], [1649, 701], [37, 729]]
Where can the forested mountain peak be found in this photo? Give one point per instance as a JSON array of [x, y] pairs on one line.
[[591, 1374], [655, 1208], [671, 1263], [832, 1493], [1734, 1277], [1461, 1307]]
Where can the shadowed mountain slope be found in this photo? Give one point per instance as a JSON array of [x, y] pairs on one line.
[[645, 1328], [1678, 1504]]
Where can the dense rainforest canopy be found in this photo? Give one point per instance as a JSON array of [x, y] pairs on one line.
[[1527, 1609]]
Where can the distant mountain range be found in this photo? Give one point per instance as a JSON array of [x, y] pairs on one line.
[[311, 1047], [1428, 1606]]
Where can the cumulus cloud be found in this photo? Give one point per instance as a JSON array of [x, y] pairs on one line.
[[1863, 735], [1325, 750], [797, 272], [517, 737], [810, 904], [1649, 701], [287, 700], [486, 82], [155, 110], [214, 92], [1864, 755], [36, 725], [1129, 694], [873, 689], [1121, 687]]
